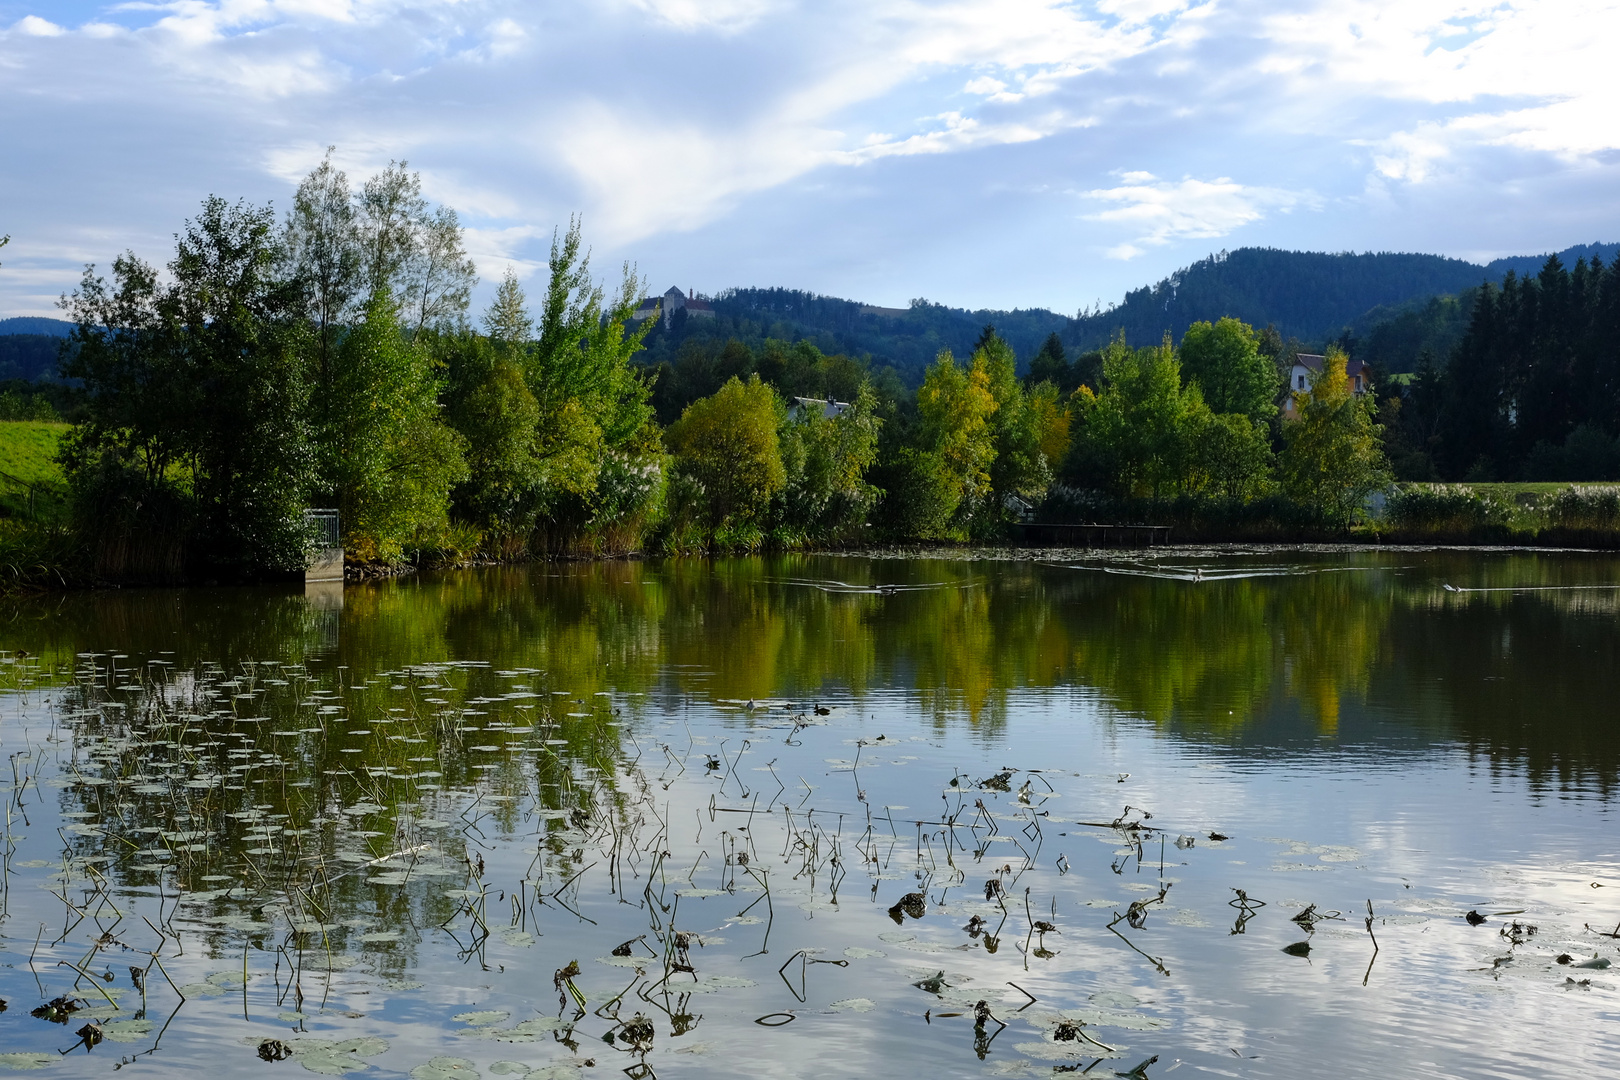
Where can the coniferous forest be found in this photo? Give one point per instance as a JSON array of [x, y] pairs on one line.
[[328, 357]]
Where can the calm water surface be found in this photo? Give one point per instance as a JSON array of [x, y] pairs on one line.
[[1221, 813]]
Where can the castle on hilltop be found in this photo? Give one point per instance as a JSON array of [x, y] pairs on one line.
[[672, 301]]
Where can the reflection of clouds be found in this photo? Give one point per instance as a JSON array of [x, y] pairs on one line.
[[1434, 833]]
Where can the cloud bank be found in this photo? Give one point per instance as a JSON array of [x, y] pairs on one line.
[[1009, 153]]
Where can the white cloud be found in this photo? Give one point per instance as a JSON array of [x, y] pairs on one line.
[[726, 16], [34, 26], [780, 123], [1157, 212]]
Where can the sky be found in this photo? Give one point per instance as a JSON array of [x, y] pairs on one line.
[[990, 154]]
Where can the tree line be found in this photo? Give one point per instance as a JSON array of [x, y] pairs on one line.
[[328, 358], [1530, 390]]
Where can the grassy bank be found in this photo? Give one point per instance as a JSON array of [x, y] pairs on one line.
[[31, 479], [36, 548]]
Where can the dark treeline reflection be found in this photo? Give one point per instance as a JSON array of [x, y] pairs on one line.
[[1360, 648]]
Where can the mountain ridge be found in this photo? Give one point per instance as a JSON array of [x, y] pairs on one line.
[[1315, 297]]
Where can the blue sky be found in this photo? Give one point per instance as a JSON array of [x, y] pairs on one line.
[[1001, 153]]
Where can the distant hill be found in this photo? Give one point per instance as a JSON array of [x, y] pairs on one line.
[[1395, 337], [906, 339], [30, 325], [1313, 296], [1532, 264], [1304, 294], [28, 356]]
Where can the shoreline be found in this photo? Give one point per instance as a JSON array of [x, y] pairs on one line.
[[374, 574]]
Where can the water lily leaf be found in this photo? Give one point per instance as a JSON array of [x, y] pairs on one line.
[[856, 952], [1113, 999], [509, 1068], [26, 1061], [625, 961], [126, 1030], [528, 1031], [1067, 1051], [711, 983], [365, 1046], [196, 990], [481, 1019], [859, 1005], [445, 1068]]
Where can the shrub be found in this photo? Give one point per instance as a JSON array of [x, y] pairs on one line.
[[1445, 508], [1593, 507]]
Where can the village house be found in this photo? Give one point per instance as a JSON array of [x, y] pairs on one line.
[[798, 408], [1309, 365], [674, 300]]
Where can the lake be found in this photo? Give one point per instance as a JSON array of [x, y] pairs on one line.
[[1253, 813]]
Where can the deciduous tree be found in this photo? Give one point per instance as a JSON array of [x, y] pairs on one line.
[[1332, 458], [728, 445]]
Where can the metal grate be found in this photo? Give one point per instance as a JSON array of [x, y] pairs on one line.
[[323, 529]]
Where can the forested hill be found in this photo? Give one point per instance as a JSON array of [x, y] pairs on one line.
[[906, 338], [29, 347], [1526, 265], [37, 326], [1304, 294]]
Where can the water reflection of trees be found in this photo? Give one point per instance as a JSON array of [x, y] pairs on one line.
[[1519, 676]]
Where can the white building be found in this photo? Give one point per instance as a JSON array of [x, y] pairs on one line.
[[800, 407], [1307, 366], [665, 307]]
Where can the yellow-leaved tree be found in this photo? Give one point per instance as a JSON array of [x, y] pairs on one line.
[[1333, 456], [955, 405]]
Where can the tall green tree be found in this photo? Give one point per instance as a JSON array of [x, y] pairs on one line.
[[438, 276], [1020, 467], [1135, 436], [322, 249], [387, 459], [728, 447], [956, 441], [508, 318], [1224, 359], [389, 209], [1051, 365], [592, 401], [196, 392]]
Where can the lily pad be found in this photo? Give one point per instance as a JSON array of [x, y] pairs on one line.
[[859, 1005], [26, 1061], [445, 1068], [336, 1058], [527, 1031], [709, 984], [126, 1030], [481, 1019]]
